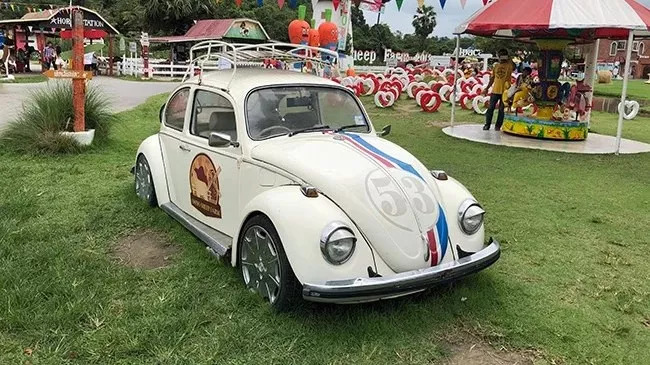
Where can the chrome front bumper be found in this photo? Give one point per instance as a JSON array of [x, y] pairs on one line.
[[361, 290]]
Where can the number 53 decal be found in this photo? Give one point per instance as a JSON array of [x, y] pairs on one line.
[[391, 202]]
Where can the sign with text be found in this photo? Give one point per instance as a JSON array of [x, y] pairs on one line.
[[133, 47], [62, 20], [68, 74]]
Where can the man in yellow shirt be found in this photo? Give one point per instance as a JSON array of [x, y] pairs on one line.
[[501, 75]]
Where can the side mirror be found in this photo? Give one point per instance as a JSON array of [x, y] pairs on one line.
[[221, 140], [385, 131], [160, 113]]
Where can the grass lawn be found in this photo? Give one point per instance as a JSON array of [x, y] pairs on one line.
[[28, 79], [636, 89], [572, 284]]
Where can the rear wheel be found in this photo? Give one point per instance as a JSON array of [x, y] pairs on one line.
[[264, 266], [144, 188]]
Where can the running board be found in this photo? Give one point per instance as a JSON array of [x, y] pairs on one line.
[[217, 241]]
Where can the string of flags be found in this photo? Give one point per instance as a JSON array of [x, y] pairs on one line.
[[370, 5], [30, 8]]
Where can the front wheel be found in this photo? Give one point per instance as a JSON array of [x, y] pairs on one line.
[[264, 266], [144, 188]]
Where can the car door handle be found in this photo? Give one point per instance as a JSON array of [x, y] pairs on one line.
[[184, 148]]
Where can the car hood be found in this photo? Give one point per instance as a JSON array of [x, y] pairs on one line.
[[387, 192]]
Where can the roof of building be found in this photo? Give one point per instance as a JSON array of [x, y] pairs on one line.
[[60, 18], [214, 29]]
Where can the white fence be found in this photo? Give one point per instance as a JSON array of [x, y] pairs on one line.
[[161, 69]]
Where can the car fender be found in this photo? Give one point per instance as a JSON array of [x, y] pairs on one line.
[[300, 221], [454, 194], [152, 150]]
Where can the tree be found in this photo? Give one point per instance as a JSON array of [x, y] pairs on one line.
[[424, 21]]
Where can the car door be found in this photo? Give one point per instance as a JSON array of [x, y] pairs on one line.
[[213, 172], [177, 153]]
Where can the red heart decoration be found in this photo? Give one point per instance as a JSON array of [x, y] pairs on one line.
[[430, 102]]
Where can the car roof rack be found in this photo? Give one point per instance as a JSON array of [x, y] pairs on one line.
[[213, 55]]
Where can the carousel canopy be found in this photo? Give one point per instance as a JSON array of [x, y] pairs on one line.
[[574, 19]]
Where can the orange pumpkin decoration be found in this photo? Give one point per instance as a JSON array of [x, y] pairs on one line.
[[299, 28], [329, 32]]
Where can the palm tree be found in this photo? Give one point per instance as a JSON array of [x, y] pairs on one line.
[[424, 21]]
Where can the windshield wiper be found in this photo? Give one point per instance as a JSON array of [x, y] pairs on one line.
[[310, 129], [346, 127]]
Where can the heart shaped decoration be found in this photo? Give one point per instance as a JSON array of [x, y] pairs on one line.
[[466, 87], [445, 92], [384, 99], [349, 80], [430, 101], [480, 104], [354, 88], [631, 109], [485, 78], [465, 101], [389, 86], [477, 89], [397, 84], [418, 77], [368, 86], [389, 71], [409, 89], [417, 92]]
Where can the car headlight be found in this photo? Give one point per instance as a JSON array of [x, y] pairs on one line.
[[470, 216], [337, 243]]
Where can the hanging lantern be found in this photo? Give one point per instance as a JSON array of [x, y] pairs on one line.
[[299, 28]]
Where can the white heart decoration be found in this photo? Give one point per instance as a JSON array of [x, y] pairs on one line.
[[369, 85], [387, 96], [444, 90], [631, 105], [485, 79], [466, 102], [477, 89], [418, 96], [412, 86], [479, 102], [348, 81], [418, 77]]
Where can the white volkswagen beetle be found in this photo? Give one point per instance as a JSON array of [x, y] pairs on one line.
[[284, 173]]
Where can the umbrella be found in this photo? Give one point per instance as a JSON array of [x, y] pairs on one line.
[[575, 19], [88, 34]]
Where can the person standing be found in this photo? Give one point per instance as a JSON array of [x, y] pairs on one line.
[[501, 74], [48, 56]]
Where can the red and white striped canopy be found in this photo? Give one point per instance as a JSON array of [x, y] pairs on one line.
[[577, 19]]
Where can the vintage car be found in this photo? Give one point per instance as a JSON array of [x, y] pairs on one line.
[[284, 174]]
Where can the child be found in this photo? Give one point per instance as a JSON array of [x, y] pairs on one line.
[[523, 87]]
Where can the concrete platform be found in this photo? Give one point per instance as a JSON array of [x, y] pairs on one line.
[[595, 144]]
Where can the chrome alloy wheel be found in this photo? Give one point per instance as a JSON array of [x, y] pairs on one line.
[[143, 182], [260, 264]]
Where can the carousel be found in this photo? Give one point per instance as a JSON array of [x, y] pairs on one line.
[[548, 109]]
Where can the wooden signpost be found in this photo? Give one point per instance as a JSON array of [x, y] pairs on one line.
[[68, 74], [78, 85]]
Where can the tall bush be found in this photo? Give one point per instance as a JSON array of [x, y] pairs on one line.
[[48, 112]]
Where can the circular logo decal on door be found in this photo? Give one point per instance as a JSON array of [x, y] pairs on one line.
[[204, 186]]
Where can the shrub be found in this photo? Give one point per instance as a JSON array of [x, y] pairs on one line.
[[48, 112]]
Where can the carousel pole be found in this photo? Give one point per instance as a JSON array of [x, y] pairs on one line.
[[590, 76], [626, 77], [455, 86]]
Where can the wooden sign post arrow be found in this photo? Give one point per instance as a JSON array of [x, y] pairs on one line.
[[68, 74]]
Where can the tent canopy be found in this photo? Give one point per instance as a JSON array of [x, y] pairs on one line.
[[574, 19]]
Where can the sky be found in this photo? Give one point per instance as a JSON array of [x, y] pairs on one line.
[[447, 19]]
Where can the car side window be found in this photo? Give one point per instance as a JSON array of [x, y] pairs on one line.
[[175, 111], [212, 113]]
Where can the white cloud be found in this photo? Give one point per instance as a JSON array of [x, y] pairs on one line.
[[447, 19]]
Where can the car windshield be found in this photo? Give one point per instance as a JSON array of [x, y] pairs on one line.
[[279, 111]]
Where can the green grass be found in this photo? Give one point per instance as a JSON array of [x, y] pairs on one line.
[[572, 281], [28, 79], [636, 90]]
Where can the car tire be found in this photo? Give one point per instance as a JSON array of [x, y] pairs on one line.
[[144, 187], [263, 265]]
